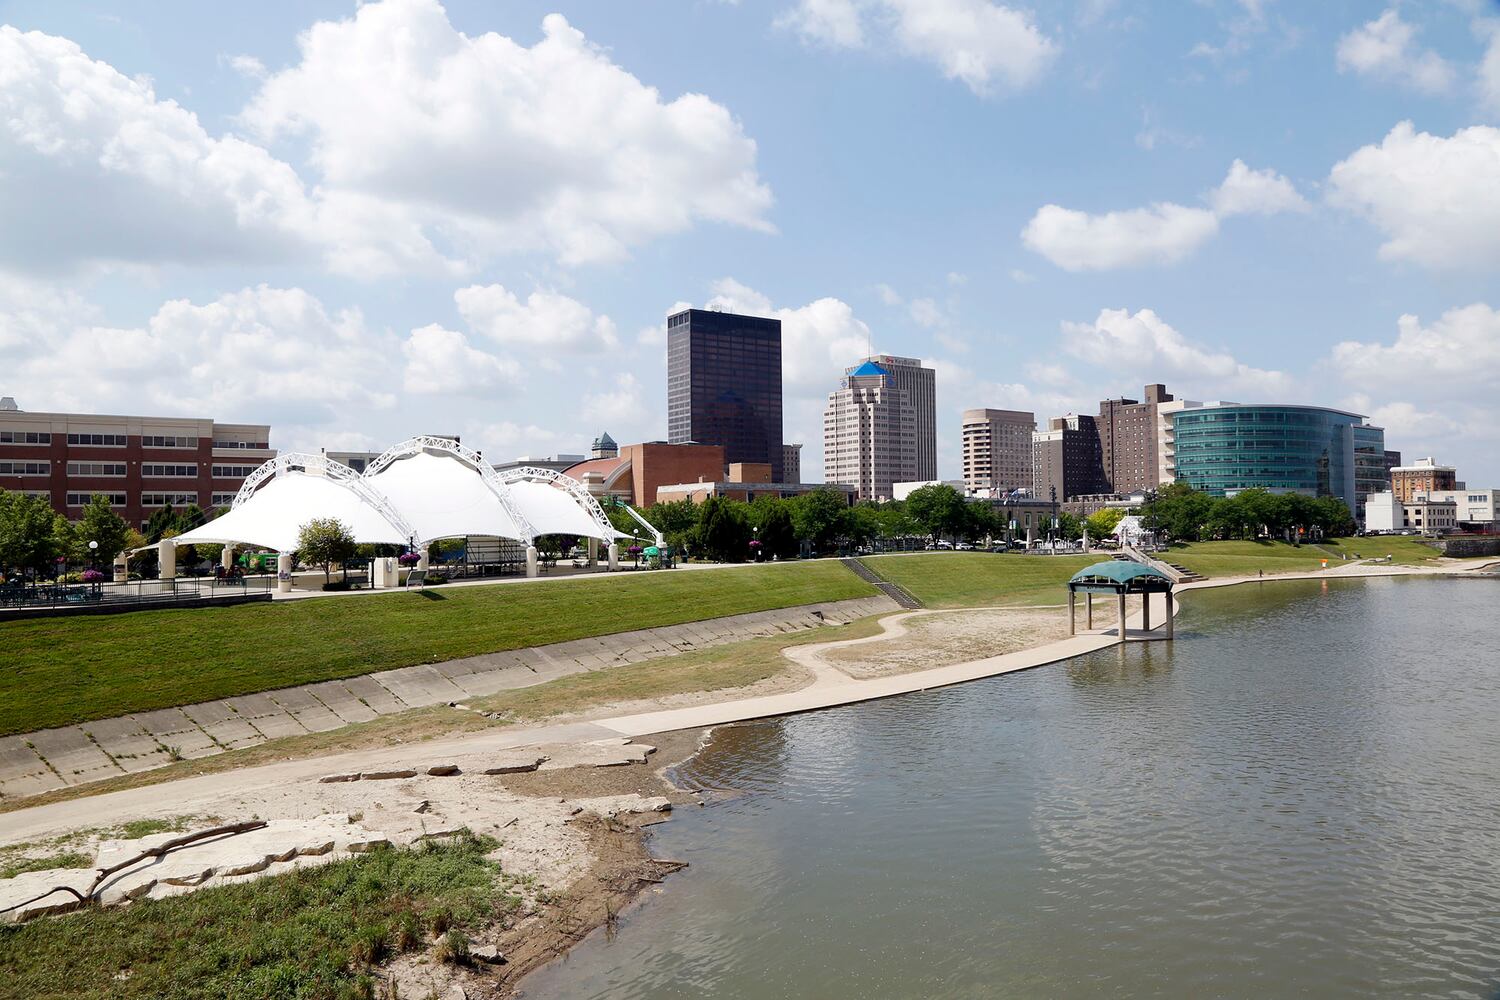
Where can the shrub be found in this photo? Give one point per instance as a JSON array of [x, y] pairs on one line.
[[453, 948]]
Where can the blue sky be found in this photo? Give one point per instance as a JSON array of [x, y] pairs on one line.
[[362, 223]]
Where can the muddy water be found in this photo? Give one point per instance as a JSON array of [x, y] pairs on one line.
[[1301, 797]]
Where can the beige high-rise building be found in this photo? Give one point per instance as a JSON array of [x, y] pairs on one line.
[[997, 449], [920, 386], [869, 433]]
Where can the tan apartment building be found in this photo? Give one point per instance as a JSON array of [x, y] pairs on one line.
[[870, 434], [997, 449]]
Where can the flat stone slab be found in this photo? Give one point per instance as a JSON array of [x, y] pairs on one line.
[[127, 741], [374, 694], [172, 728], [516, 762], [73, 755], [22, 772], [311, 713], [338, 700], [266, 716], [610, 753], [226, 726]]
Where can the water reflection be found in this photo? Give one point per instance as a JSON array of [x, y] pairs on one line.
[[1298, 797]]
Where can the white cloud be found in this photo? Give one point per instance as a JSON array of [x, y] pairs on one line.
[[957, 278], [1021, 277], [1386, 49], [986, 45], [888, 295], [1458, 352], [926, 312], [500, 147], [546, 320], [248, 66], [652, 336], [441, 362], [818, 340], [1255, 192], [1162, 233], [830, 22], [618, 405], [1436, 199], [1144, 343], [258, 354], [1488, 79]]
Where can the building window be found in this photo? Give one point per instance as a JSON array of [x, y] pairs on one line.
[[235, 471], [25, 468], [224, 499], [170, 471], [84, 499], [98, 440], [168, 499], [168, 441], [248, 445], [25, 437], [96, 468]]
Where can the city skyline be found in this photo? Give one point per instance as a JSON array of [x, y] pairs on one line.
[[212, 237]]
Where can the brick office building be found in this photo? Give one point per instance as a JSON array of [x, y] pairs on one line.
[[140, 463]]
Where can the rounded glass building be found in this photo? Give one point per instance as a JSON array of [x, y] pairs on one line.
[[1286, 449]]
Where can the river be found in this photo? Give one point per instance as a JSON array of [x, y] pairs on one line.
[[1299, 797]]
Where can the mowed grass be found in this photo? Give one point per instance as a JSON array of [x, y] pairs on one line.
[[1226, 559], [309, 934], [716, 669], [63, 670], [978, 579]]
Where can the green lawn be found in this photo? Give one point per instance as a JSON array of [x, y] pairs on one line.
[[57, 671], [1221, 559], [310, 934], [976, 579]]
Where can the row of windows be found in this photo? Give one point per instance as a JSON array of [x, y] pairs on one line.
[[168, 499], [25, 468], [25, 437], [168, 441], [108, 440], [96, 468], [170, 471], [84, 499], [248, 445], [241, 471]]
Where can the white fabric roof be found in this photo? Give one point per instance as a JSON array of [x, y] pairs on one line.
[[443, 497], [553, 511], [274, 515]]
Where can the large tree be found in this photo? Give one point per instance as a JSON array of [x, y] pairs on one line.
[[723, 530], [29, 533], [940, 509], [818, 516], [101, 524], [324, 541]]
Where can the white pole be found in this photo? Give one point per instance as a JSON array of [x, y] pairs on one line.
[[166, 555], [531, 569]]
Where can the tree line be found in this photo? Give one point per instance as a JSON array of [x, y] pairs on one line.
[[1182, 514]]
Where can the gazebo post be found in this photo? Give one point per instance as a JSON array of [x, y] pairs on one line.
[[1146, 611], [1088, 610], [1073, 611], [1169, 614], [1122, 614]]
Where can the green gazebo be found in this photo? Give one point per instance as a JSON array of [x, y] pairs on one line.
[[1119, 577]]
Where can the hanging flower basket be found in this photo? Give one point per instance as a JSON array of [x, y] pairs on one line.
[[634, 550], [409, 559], [92, 576]]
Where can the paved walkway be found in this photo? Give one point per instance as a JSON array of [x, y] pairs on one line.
[[37, 762]]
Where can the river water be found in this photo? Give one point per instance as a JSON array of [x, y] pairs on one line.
[[1300, 797]]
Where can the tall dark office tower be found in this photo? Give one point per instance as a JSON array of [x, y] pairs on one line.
[[724, 384]]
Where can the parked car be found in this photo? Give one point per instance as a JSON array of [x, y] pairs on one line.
[[945, 545], [964, 547]]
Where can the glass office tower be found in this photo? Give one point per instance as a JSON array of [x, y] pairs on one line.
[[724, 384], [1286, 449]]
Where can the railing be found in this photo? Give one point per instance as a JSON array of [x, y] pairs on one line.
[[139, 593]]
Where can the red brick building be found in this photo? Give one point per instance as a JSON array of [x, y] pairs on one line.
[[639, 470], [140, 463]]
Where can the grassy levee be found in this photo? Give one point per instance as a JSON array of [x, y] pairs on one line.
[[57, 671], [977, 579], [1224, 559], [308, 933]]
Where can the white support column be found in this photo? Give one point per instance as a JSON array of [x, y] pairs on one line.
[[122, 569], [531, 560], [284, 572], [227, 559], [593, 546], [422, 561], [166, 556], [614, 556], [1122, 616], [1072, 612]]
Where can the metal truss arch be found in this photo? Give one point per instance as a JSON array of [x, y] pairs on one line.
[[472, 458], [573, 487], [321, 465]]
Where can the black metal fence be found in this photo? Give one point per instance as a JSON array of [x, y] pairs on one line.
[[26, 595]]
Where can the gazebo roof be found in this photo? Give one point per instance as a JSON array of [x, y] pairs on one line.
[[1120, 576]]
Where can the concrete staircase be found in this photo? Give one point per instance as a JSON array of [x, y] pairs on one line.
[[895, 593], [1179, 574]]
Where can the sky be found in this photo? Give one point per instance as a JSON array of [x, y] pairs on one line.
[[362, 222]]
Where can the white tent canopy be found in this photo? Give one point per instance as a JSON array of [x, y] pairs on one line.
[[275, 515], [421, 490]]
